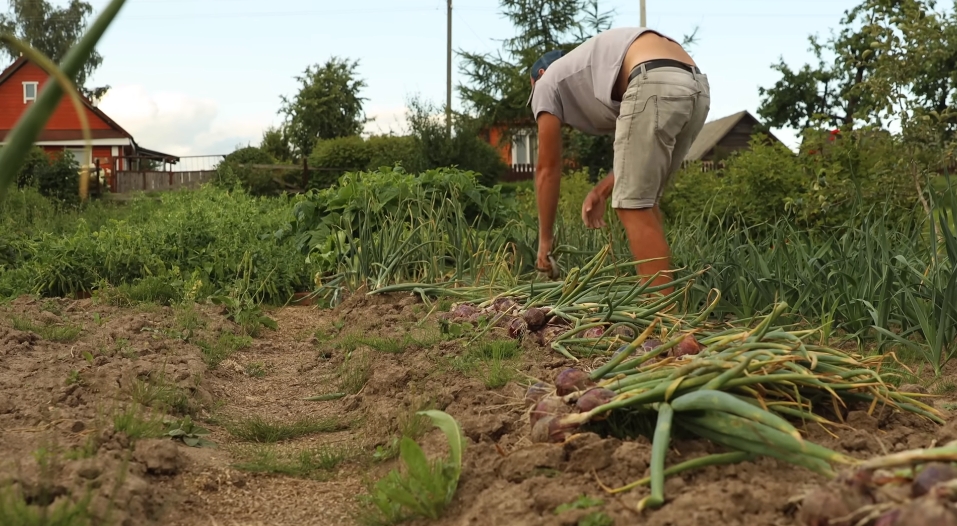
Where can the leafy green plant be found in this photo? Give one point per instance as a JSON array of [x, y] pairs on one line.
[[188, 432], [425, 488], [581, 503]]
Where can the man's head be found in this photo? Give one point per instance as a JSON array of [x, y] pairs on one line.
[[539, 67]]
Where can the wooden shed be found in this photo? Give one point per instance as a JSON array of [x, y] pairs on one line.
[[720, 138]]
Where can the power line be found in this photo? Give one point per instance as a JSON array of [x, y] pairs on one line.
[[370, 12]]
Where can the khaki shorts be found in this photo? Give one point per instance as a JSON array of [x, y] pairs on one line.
[[661, 114]]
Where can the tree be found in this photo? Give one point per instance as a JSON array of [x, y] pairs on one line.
[[831, 93], [915, 72], [497, 85], [893, 60], [53, 31], [276, 144], [327, 106]]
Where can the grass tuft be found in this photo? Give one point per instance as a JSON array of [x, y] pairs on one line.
[[136, 425], [224, 347], [310, 463], [67, 333], [491, 361], [258, 429]]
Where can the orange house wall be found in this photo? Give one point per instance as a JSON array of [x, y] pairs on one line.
[[504, 149], [12, 106]]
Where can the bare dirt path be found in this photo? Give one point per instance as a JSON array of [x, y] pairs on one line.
[[78, 379]]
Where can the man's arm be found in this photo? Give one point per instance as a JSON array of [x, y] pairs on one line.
[[548, 172], [605, 186]]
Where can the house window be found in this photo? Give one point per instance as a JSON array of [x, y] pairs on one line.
[[82, 156], [29, 92], [524, 147]]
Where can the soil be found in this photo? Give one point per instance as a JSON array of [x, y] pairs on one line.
[[64, 396]]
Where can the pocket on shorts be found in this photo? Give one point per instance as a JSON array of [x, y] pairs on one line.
[[633, 101], [674, 111]]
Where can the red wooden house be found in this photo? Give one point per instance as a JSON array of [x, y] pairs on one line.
[[113, 147]]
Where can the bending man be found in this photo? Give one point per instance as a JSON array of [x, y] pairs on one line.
[[645, 89]]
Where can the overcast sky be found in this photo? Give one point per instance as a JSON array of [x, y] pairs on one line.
[[201, 77]]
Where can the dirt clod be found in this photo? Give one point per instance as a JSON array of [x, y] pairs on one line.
[[161, 457]]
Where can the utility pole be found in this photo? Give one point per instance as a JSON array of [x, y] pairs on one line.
[[448, 75], [644, 16]]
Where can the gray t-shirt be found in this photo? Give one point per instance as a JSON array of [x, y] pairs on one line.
[[577, 88]]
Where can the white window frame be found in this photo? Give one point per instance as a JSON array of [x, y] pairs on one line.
[[82, 154], [529, 140], [36, 90]]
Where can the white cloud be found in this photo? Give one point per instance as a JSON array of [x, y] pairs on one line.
[[180, 124], [386, 120]]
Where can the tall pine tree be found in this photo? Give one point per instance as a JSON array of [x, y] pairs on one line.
[[497, 85]]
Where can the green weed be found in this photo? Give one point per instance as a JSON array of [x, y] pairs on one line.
[[135, 425], [224, 347], [424, 488], [258, 429], [311, 463], [491, 360], [355, 372], [67, 333]]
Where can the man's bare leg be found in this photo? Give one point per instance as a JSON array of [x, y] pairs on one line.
[[646, 238]]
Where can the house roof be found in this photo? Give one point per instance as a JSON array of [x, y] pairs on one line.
[[119, 131], [712, 133]]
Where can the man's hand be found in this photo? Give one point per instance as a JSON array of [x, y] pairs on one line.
[[593, 210], [545, 262]]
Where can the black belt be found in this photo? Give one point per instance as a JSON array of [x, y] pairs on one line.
[[662, 63]]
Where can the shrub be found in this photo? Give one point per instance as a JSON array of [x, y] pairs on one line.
[[236, 171], [827, 184], [250, 155], [387, 150], [60, 180], [331, 158], [223, 240], [391, 224], [36, 163], [464, 150], [55, 176]]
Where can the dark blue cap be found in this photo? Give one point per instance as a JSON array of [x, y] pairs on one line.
[[542, 63], [545, 61]]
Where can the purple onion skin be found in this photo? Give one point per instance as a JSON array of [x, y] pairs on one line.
[[464, 310], [594, 333], [504, 304], [888, 519], [593, 398], [517, 328], [932, 474], [534, 317], [535, 393], [571, 380], [650, 345], [540, 429], [547, 406], [559, 429], [688, 346]]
